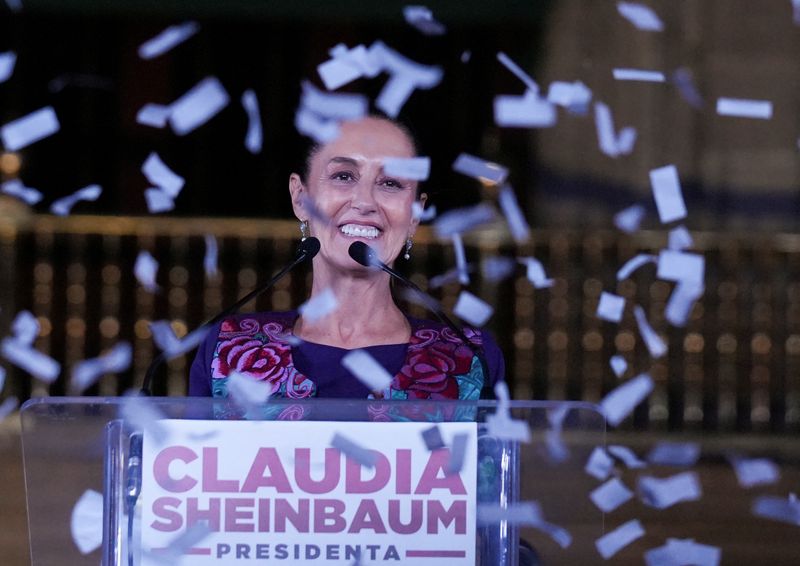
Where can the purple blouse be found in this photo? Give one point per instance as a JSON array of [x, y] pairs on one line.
[[434, 364]]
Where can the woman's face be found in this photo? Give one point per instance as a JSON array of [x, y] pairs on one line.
[[348, 197]]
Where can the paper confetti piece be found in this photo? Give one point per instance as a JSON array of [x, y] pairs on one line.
[[618, 365], [535, 273], [655, 345], [755, 471], [419, 212], [796, 11], [633, 264], [484, 171], [680, 303], [599, 465], [627, 456], [610, 495], [472, 309], [497, 268], [197, 106], [319, 305], [167, 39], [683, 552], [41, 366], [517, 224], [248, 393], [210, 258], [458, 453], [680, 239], [7, 61], [63, 206], [145, 270], [778, 508], [462, 269], [413, 168], [335, 106], [2, 378], [87, 372], [500, 424], [629, 219], [682, 78], [181, 545], [432, 438], [662, 493], [462, 220], [744, 108], [367, 370], [141, 415], [526, 111], [155, 115], [556, 449], [621, 401], [321, 130], [15, 188], [450, 276], [29, 129], [354, 451], [612, 144], [667, 193], [157, 172], [406, 75], [639, 75], [86, 521], [25, 327], [347, 66], [518, 72], [253, 140], [681, 266], [610, 307], [8, 406], [641, 16], [422, 19], [569, 95], [521, 514], [172, 346], [158, 201], [608, 545], [674, 454]]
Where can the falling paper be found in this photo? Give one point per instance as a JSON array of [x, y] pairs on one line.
[[322, 130], [608, 545], [367, 370], [518, 72], [447, 277], [618, 365], [497, 268], [29, 129], [612, 144], [680, 239], [621, 401], [599, 464], [201, 103], [655, 345], [413, 168], [145, 269], [681, 301], [210, 258], [458, 453], [8, 406], [556, 448], [422, 19], [569, 95], [639, 75], [419, 212], [172, 346], [666, 492], [157, 172], [319, 305], [523, 513], [641, 16], [140, 414], [25, 327], [353, 451], [62, 206], [87, 372], [433, 438], [681, 266], [15, 188], [86, 522], [744, 108], [629, 219], [31, 360], [667, 193], [7, 62], [461, 259], [335, 106], [484, 171], [778, 508], [535, 273], [633, 264], [472, 309], [610, 495], [406, 75], [462, 220], [158, 201], [682, 78], [167, 39], [180, 546], [155, 115], [500, 424], [527, 111], [627, 456], [610, 307], [347, 66], [517, 224], [254, 137], [247, 392], [755, 471], [683, 553], [674, 454]]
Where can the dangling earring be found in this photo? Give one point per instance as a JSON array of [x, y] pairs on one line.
[[303, 230], [409, 244]]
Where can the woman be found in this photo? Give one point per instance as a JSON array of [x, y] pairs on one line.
[[345, 196]]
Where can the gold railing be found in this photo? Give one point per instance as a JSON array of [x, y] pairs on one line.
[[736, 366]]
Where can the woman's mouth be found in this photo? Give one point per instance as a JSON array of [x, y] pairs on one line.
[[359, 231]]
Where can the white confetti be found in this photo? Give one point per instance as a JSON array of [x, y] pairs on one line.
[[655, 345], [210, 258], [8, 406], [29, 129], [620, 402], [178, 547], [633, 264], [462, 220], [247, 392], [25, 327], [523, 513], [778, 508], [610, 307], [158, 200], [744, 108], [599, 465], [450, 276], [682, 78], [535, 273], [413, 168], [140, 414], [41, 366], [641, 16], [609, 544], [497, 268], [674, 454], [667, 193], [155, 115], [419, 212], [458, 453], [610, 495], [680, 239], [517, 224], [319, 305], [172, 346], [15, 188], [755, 471], [7, 62], [422, 19], [683, 553], [367, 370], [167, 39], [145, 270], [680, 303], [87, 372], [526, 111], [197, 106], [629, 219], [253, 140], [432, 438], [461, 259], [157, 172], [681, 266], [612, 144], [335, 106], [518, 72], [354, 451], [406, 75], [618, 365], [63, 206], [572, 96], [86, 521], [348, 65], [639, 75], [484, 171], [556, 448], [472, 309], [796, 12], [500, 424], [662, 493], [627, 456], [321, 130]]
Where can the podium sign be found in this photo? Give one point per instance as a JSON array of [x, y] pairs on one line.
[[278, 491]]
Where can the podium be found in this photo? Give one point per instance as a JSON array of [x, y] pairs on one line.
[[72, 446]]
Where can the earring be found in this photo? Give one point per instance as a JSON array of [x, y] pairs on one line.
[[303, 230], [409, 244]]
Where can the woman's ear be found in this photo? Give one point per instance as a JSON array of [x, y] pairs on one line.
[[423, 198], [297, 191]]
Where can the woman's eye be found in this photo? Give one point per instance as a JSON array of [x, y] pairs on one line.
[[342, 176], [393, 184]]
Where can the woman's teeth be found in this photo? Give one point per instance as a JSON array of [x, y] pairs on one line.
[[359, 231]]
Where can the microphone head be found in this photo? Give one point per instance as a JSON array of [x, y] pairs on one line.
[[308, 248], [363, 254]]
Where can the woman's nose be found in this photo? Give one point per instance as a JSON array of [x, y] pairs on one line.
[[363, 198]]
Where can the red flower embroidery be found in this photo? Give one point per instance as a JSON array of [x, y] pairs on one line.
[[249, 356], [430, 370]]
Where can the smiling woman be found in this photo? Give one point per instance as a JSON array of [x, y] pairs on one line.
[[345, 195]]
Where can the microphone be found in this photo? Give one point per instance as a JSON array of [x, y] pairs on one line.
[[307, 249], [368, 257]]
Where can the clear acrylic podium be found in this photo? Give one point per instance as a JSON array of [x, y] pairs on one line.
[[71, 445]]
